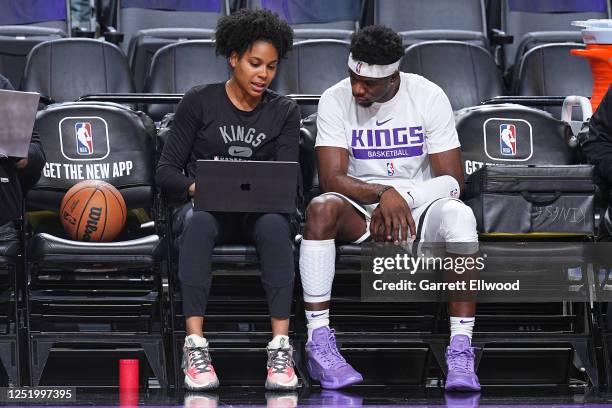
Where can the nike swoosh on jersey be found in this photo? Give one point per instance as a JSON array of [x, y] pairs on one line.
[[240, 151], [383, 122]]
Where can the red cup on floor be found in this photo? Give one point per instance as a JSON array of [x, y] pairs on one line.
[[128, 397], [128, 374]]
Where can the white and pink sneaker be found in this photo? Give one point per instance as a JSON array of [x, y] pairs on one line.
[[199, 371], [281, 372]]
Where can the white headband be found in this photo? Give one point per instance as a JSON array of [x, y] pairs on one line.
[[372, 71]]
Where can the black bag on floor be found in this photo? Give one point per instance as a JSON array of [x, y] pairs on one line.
[[526, 199]]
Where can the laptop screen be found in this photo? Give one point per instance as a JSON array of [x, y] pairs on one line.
[[246, 186], [17, 115]]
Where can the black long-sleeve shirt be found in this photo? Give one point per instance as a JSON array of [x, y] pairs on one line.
[[598, 146], [14, 183], [208, 126]]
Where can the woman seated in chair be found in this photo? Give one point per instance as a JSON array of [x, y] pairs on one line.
[[17, 176], [253, 41]]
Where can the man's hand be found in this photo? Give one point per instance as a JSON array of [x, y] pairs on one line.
[[396, 214], [21, 164], [192, 190], [377, 226]]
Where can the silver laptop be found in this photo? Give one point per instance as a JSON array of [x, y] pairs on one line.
[[246, 186], [17, 116]]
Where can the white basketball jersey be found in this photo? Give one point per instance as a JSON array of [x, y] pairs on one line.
[[388, 143]]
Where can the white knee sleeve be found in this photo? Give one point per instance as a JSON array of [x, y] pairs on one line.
[[458, 227], [438, 187], [317, 269]]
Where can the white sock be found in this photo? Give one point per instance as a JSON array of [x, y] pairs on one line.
[[279, 341], [193, 340], [316, 319], [317, 269], [462, 325], [432, 189]]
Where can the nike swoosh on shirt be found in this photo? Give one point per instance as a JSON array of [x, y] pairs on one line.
[[240, 151], [383, 122]]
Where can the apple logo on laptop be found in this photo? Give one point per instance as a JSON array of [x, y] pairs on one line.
[[245, 186]]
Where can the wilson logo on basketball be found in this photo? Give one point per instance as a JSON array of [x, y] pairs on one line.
[[92, 222]]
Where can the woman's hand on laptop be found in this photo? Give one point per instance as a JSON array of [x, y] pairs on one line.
[[192, 190]]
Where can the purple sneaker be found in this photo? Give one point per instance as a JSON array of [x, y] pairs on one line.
[[335, 398], [460, 362], [462, 399], [325, 363]]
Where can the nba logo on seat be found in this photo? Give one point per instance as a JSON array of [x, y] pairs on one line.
[[507, 139], [84, 138]]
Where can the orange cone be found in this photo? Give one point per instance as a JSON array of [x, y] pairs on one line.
[[599, 56]]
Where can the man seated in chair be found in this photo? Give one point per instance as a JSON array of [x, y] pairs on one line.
[[598, 149], [17, 175], [389, 163]]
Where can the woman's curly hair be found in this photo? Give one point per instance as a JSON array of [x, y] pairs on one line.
[[376, 44], [237, 32]]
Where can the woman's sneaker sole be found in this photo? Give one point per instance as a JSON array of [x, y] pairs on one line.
[[197, 387], [292, 385]]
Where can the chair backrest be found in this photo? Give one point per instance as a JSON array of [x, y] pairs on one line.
[[145, 43], [136, 15], [311, 67], [550, 70], [308, 158], [466, 72], [44, 13], [419, 20], [25, 23], [535, 22], [303, 71], [316, 18], [69, 68], [540, 138], [16, 42], [338, 14], [122, 152], [176, 68]]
